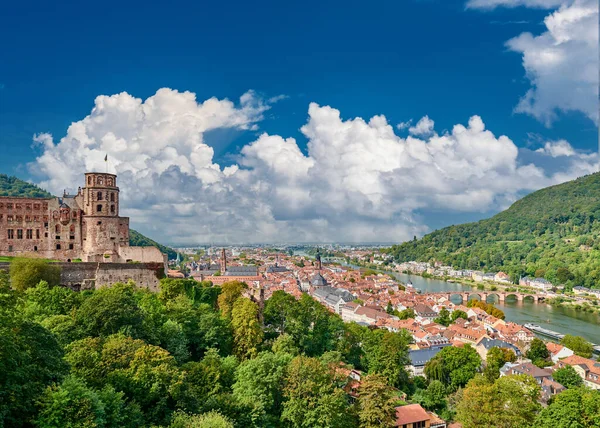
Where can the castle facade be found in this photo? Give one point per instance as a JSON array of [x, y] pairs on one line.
[[85, 226]]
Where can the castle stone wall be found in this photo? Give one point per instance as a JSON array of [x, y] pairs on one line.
[[83, 276]]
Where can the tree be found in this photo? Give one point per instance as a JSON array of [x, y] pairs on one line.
[[538, 352], [247, 333], [511, 401], [575, 407], [230, 292], [211, 419], [203, 327], [435, 396], [454, 366], [406, 314], [259, 384], [567, 377], [387, 354], [43, 301], [110, 310], [457, 313], [26, 273], [146, 373], [443, 317], [30, 360], [285, 344], [312, 399], [71, 404], [578, 345], [376, 402], [495, 359], [278, 309], [564, 275]]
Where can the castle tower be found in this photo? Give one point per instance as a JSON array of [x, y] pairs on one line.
[[223, 261], [103, 231], [101, 195]]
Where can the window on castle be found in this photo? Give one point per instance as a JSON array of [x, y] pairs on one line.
[[9, 206], [18, 206], [29, 234], [99, 208], [70, 246], [35, 248], [58, 246], [10, 249], [36, 206], [99, 196], [57, 228], [112, 197], [11, 234], [9, 218], [19, 233], [28, 206], [89, 180], [37, 234], [100, 181], [112, 209], [57, 238]]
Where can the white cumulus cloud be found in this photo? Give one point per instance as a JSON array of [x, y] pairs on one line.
[[423, 127], [357, 180], [562, 62]]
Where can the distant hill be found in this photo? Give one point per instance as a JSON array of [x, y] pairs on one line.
[[136, 239], [12, 186], [552, 233]]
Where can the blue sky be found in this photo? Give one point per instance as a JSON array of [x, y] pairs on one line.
[[402, 59]]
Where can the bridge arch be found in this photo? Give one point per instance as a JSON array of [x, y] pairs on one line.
[[456, 296], [472, 296], [511, 296], [529, 298], [492, 298]]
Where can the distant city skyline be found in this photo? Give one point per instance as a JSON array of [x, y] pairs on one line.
[[337, 122]]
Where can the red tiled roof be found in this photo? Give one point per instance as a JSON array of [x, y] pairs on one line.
[[410, 414]]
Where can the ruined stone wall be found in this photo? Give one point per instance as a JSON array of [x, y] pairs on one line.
[[82, 276]]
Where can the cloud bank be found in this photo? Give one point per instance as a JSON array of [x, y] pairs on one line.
[[562, 63], [357, 182]]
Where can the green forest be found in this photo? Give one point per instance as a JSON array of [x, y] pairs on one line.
[[12, 186], [194, 355], [553, 233]]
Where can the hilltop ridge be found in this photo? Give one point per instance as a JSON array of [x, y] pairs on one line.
[[552, 233]]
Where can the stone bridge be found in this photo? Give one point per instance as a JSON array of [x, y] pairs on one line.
[[498, 296]]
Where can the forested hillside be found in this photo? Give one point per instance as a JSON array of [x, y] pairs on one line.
[[136, 239], [12, 186], [551, 233]]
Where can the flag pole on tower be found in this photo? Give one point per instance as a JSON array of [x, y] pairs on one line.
[[106, 162]]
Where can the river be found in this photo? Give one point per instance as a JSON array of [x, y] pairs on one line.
[[557, 318]]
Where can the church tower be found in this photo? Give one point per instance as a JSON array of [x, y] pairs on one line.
[[223, 261]]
